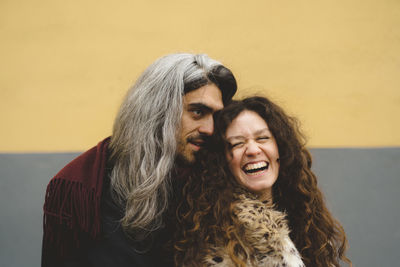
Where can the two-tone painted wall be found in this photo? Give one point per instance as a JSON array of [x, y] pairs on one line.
[[66, 65]]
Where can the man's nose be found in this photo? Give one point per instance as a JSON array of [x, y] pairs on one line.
[[252, 149], [207, 126]]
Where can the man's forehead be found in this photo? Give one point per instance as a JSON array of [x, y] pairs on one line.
[[208, 95]]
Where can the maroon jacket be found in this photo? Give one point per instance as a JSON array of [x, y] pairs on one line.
[[72, 204]]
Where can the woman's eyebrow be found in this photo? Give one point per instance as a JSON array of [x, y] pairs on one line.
[[262, 131], [240, 137]]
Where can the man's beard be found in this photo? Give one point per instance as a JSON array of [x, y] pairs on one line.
[[182, 161], [187, 156]]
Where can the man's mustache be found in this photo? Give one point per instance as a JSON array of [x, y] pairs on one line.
[[199, 139]]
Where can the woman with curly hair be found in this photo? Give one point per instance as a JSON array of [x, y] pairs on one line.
[[252, 184]]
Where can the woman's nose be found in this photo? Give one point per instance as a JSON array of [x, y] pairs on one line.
[[252, 149]]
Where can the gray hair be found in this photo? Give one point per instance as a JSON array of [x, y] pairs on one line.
[[144, 140]]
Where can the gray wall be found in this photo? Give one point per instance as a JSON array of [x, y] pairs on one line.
[[361, 187]]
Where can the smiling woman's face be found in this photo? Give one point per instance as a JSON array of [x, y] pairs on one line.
[[253, 154]]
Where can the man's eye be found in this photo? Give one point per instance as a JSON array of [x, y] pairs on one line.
[[197, 112]]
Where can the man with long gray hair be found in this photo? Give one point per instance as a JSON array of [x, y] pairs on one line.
[[110, 205]]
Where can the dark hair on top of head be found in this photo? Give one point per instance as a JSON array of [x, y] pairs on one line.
[[219, 75], [206, 213]]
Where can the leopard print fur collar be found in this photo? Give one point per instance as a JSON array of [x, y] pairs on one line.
[[266, 231]]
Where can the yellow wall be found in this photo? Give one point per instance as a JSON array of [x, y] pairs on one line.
[[66, 65]]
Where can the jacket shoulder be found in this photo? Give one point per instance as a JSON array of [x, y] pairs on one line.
[[72, 203]]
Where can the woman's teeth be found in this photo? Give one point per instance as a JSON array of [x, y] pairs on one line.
[[255, 167]]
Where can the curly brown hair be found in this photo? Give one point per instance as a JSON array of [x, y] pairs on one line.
[[205, 215]]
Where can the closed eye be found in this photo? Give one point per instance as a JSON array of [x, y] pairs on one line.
[[236, 145], [263, 138]]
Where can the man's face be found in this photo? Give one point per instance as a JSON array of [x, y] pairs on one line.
[[197, 119]]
